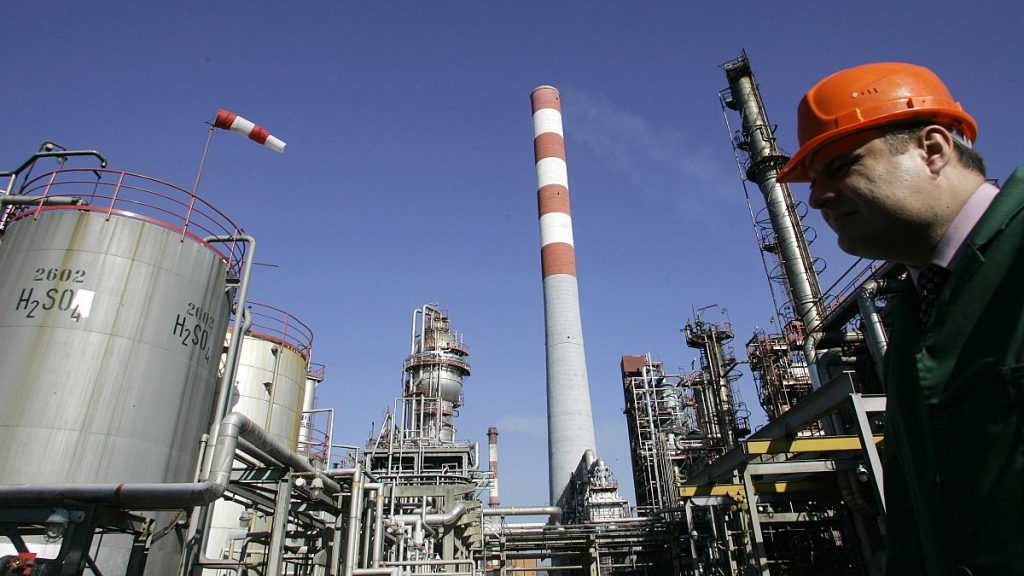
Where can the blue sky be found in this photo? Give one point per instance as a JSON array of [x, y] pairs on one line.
[[409, 174]]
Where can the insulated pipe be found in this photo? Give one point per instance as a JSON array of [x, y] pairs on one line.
[[434, 519], [13, 174], [364, 555], [354, 509], [570, 421], [171, 496], [378, 521], [46, 200], [200, 517], [874, 330], [492, 465], [552, 512], [237, 331], [6, 201], [308, 403]]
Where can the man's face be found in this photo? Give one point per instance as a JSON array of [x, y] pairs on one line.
[[875, 200]]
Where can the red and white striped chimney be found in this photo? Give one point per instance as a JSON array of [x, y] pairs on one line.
[[492, 454], [570, 423]]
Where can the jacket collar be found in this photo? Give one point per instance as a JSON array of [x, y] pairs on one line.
[[971, 286]]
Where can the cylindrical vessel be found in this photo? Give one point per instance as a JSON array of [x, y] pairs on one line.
[[493, 498], [270, 390], [312, 444], [433, 376], [112, 317], [765, 162], [271, 381], [570, 422]]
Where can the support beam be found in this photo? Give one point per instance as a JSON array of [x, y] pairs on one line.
[[737, 492]]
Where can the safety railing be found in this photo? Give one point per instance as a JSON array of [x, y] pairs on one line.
[[316, 371], [847, 284], [278, 326], [129, 195]]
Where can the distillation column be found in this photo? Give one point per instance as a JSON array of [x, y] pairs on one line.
[[765, 162], [432, 377], [570, 423]]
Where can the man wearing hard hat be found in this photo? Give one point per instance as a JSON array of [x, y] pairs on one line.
[[888, 155]]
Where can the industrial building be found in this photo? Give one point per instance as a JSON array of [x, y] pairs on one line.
[[178, 433]]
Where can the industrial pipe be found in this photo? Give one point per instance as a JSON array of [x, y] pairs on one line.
[[46, 201], [237, 333], [199, 523], [170, 496], [13, 174], [378, 521], [552, 512], [435, 519], [874, 330], [354, 509], [7, 200]]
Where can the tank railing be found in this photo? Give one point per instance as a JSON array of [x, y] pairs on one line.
[[139, 197], [113, 198], [171, 496], [45, 194], [316, 371], [279, 326]]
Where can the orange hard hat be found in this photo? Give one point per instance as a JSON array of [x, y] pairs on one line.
[[869, 96]]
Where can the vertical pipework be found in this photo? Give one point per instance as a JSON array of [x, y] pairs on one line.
[[765, 162], [492, 465], [570, 423]]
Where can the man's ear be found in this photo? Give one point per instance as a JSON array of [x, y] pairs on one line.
[[936, 144]]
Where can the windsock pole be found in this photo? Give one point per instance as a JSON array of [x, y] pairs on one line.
[[228, 120], [202, 162]]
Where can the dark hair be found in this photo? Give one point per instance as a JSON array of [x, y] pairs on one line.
[[898, 139]]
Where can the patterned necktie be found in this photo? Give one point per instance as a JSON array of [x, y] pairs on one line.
[[929, 285]]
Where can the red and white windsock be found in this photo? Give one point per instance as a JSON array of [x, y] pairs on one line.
[[570, 422], [492, 453], [231, 121]]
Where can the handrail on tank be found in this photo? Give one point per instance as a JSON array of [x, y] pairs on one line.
[[277, 325], [316, 371], [139, 197]]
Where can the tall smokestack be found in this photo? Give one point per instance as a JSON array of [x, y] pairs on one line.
[[492, 465], [570, 423]]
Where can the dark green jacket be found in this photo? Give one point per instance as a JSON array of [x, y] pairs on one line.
[[954, 433]]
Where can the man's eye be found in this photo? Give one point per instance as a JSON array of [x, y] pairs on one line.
[[841, 168]]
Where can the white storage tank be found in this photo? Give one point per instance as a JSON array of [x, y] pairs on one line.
[[270, 389], [112, 318]]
